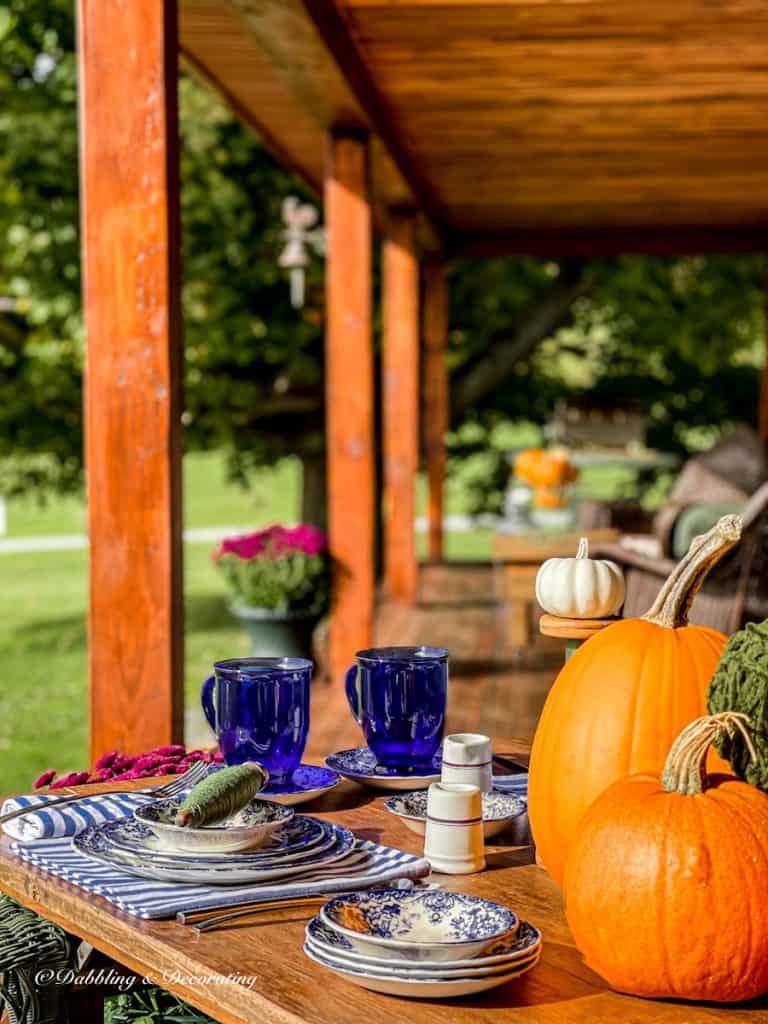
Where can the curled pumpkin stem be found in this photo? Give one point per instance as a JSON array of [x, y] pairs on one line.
[[685, 770], [583, 549], [676, 596]]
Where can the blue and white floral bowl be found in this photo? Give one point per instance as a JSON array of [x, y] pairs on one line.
[[499, 809], [249, 828], [421, 925]]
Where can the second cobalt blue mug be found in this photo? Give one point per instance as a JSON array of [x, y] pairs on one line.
[[398, 696], [259, 710]]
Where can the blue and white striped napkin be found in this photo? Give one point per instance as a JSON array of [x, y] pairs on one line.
[[69, 819], [368, 864], [517, 784]]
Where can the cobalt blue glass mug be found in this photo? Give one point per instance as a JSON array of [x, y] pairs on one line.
[[398, 696], [259, 710]]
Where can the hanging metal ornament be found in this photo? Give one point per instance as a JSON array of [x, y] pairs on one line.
[[300, 236]]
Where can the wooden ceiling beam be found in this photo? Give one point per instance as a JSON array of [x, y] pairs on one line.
[[599, 243], [272, 64]]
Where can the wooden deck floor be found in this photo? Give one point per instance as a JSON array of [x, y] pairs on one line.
[[494, 689]]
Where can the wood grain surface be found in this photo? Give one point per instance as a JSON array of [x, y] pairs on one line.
[[400, 402], [436, 398], [587, 127], [130, 186], [283, 987], [349, 397]]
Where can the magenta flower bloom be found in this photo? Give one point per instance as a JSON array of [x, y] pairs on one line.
[[73, 779], [45, 779], [107, 760]]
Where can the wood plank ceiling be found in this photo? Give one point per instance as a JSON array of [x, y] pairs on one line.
[[524, 118]]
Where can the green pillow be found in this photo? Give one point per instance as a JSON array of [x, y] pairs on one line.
[[695, 520]]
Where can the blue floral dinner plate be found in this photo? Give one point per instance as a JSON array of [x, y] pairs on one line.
[[419, 987], [307, 782], [92, 844], [302, 836], [360, 765]]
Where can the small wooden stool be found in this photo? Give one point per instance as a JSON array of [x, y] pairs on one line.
[[573, 631]]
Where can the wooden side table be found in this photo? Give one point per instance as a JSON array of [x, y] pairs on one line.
[[573, 631], [517, 557]]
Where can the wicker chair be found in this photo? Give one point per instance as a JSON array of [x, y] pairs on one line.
[[736, 591]]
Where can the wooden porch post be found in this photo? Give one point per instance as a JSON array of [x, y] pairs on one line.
[[436, 400], [349, 397], [130, 191], [400, 406]]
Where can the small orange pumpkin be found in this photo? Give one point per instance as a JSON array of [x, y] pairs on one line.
[[545, 469], [621, 699], [666, 882]]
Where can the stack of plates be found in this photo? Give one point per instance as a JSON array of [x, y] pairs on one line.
[[423, 944], [302, 845]]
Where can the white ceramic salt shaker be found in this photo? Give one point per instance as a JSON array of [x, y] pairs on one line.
[[454, 843], [467, 759]]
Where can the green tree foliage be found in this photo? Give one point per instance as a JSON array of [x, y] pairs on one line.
[[253, 365], [683, 336]]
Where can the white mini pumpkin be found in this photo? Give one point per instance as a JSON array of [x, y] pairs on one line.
[[580, 587]]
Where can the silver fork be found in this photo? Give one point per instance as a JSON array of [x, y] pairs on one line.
[[172, 788]]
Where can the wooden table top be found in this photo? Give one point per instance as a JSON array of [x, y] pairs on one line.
[[283, 986]]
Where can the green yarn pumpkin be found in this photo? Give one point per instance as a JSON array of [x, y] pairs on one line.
[[740, 683], [221, 795]]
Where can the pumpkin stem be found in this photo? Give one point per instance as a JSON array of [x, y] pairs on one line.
[[675, 598], [685, 769], [583, 549]]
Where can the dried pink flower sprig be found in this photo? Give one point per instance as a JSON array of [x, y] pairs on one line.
[[275, 542], [116, 766]]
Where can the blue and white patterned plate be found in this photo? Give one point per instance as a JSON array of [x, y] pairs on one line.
[[420, 988], [91, 842], [418, 925], [360, 765], [499, 809], [519, 946], [301, 837], [308, 782]]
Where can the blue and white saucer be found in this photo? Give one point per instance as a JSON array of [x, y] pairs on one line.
[[360, 765], [411, 986], [505, 954], [307, 782], [499, 809]]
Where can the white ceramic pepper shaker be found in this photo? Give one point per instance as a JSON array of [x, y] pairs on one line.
[[467, 758], [454, 842]]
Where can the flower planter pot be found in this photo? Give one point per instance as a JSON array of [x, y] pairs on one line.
[[272, 634]]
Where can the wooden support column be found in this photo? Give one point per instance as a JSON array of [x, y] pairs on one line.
[[349, 397], [400, 406], [130, 192], [436, 399]]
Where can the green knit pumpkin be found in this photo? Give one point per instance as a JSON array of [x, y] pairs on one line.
[[740, 683]]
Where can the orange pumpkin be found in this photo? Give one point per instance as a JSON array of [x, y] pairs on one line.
[[666, 880], [541, 468], [621, 699]]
